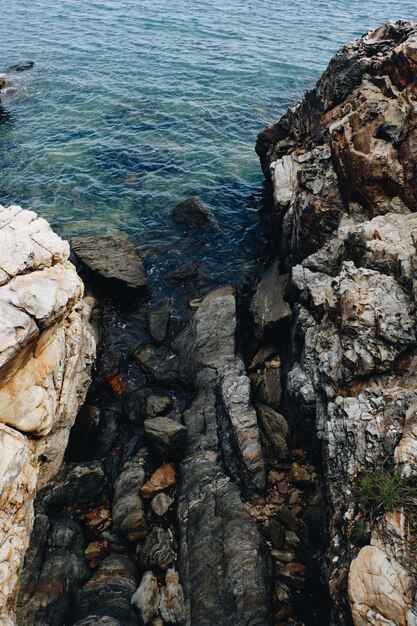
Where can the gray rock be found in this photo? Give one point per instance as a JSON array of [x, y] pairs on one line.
[[163, 365], [146, 598], [159, 549], [108, 592], [161, 503], [158, 405], [111, 258], [171, 603], [128, 512], [159, 315], [193, 214], [76, 482], [96, 620], [268, 305], [165, 437]]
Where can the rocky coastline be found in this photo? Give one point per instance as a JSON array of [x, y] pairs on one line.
[[242, 456]]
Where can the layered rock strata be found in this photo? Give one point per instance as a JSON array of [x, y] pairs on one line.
[[46, 351], [342, 162]]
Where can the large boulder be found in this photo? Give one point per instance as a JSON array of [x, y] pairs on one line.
[[112, 259]]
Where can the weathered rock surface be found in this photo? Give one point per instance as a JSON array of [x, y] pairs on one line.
[[111, 258], [192, 213], [342, 164], [46, 351], [222, 564], [146, 597]]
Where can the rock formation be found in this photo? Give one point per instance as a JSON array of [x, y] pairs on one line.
[[46, 351], [342, 162]]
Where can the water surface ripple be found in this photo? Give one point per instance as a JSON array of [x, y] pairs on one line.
[[135, 104]]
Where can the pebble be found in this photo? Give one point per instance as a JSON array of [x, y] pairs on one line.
[[287, 517], [161, 479], [285, 556], [161, 503], [96, 549]]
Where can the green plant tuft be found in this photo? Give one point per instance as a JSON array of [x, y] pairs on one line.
[[360, 533]]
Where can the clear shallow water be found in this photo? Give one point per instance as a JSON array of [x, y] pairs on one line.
[[135, 104]]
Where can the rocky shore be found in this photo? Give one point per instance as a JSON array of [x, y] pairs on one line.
[[242, 456]]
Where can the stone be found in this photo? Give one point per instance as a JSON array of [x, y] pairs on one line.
[[166, 438], [23, 66], [79, 482], [292, 540], [190, 270], [392, 603], [268, 387], [146, 597], [158, 405], [112, 259], [275, 428], [159, 549], [160, 480], [276, 532], [284, 556], [96, 549], [287, 519], [268, 306], [128, 511], [96, 620], [294, 574], [161, 503], [300, 475], [163, 365], [171, 603], [159, 315], [108, 592], [191, 213]]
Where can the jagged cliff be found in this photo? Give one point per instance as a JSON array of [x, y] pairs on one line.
[[343, 164], [46, 351]]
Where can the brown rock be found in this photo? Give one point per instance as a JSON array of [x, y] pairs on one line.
[[293, 573], [160, 480], [96, 549]]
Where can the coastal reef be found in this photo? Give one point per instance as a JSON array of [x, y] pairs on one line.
[[342, 162]]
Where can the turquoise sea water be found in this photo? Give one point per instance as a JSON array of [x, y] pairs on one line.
[[135, 104]]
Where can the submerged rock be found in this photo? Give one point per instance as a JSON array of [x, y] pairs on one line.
[[193, 214], [23, 66], [111, 258]]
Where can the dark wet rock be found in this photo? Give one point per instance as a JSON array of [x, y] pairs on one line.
[[159, 549], [269, 307], [96, 549], [128, 511], [287, 519], [192, 214], [263, 354], [292, 540], [161, 503], [268, 387], [158, 405], [111, 258], [76, 482], [171, 603], [276, 430], [108, 593], [165, 437], [55, 568], [190, 270], [283, 556], [146, 598], [293, 574], [276, 533], [159, 315], [163, 365], [87, 421], [23, 66], [134, 405]]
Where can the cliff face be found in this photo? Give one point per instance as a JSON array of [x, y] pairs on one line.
[[46, 351], [343, 164]]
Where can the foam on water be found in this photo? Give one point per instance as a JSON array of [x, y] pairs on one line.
[[134, 105]]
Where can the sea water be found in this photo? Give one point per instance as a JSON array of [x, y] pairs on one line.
[[135, 104]]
